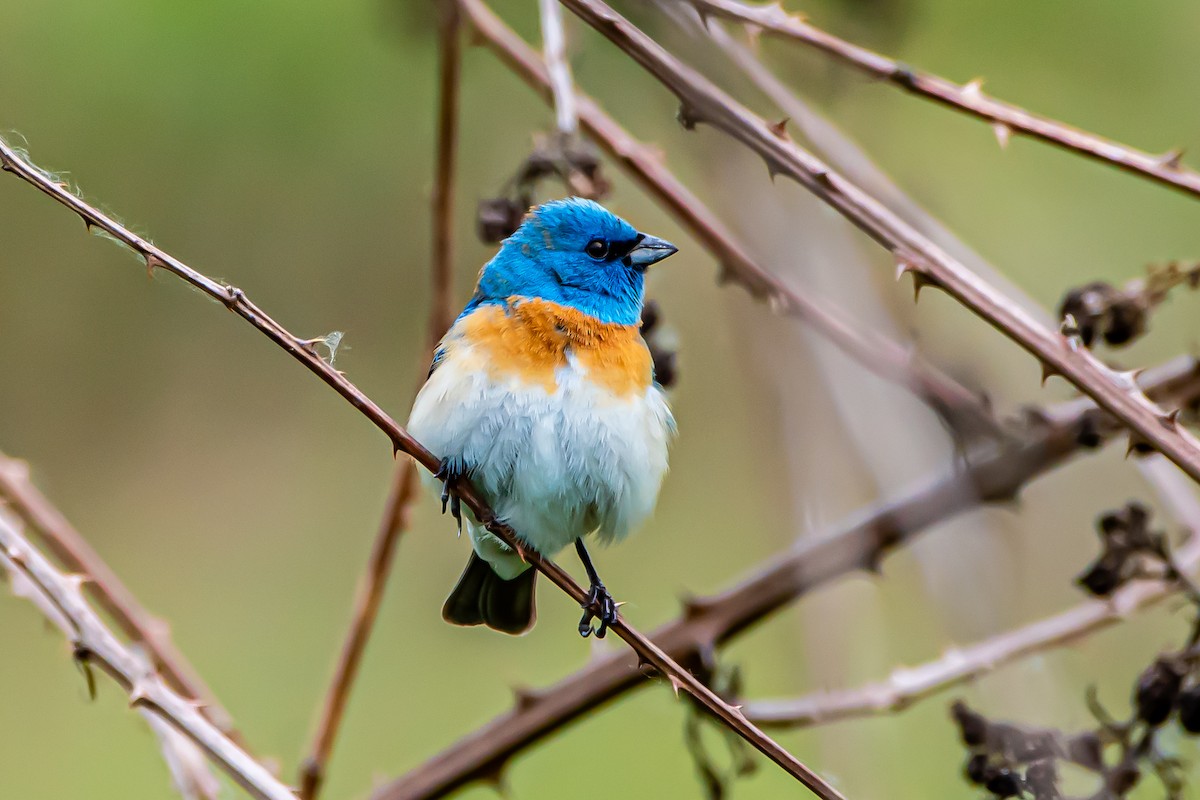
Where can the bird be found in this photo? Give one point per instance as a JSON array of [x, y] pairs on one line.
[[542, 395]]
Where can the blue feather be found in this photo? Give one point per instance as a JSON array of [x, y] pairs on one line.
[[548, 258]]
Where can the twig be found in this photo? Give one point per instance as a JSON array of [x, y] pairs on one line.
[[554, 47], [449, 69], [95, 646], [396, 520], [860, 543], [910, 685], [876, 353], [106, 589], [914, 253], [1005, 118], [404, 493], [236, 301]]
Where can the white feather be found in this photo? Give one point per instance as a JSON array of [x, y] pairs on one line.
[[555, 465]]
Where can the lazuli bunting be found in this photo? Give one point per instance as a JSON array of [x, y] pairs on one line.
[[542, 393]]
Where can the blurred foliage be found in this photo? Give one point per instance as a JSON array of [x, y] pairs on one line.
[[286, 147]]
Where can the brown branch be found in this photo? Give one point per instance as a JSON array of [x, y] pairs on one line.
[[907, 686], [107, 590], [396, 520], [236, 301], [860, 543], [914, 253], [449, 70], [94, 645], [878, 354], [404, 493], [1006, 118]]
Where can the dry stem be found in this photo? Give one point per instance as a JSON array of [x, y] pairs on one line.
[[880, 355], [404, 494], [914, 253], [396, 520], [106, 589], [860, 543], [236, 301], [94, 645], [1006, 118]]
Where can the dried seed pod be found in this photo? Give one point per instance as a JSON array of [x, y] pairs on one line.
[[972, 726], [1004, 782], [1189, 709], [1042, 779], [977, 769], [1157, 688], [497, 218]]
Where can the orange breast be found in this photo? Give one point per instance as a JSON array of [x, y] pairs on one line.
[[531, 339]]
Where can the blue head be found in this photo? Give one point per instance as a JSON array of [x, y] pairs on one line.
[[576, 253]]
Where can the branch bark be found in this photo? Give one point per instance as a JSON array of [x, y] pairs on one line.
[[404, 493], [909, 685], [303, 351], [914, 253], [94, 645], [1007, 119], [72, 550], [859, 543]]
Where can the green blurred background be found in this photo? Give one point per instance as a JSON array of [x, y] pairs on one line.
[[287, 147]]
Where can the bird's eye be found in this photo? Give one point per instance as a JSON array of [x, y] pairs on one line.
[[597, 248]]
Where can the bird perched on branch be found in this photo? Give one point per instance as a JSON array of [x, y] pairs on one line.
[[542, 394]]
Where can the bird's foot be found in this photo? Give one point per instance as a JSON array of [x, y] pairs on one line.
[[449, 472], [600, 605]]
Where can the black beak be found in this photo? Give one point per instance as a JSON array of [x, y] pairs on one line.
[[649, 250]]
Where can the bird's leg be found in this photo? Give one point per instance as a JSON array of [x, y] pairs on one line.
[[449, 472], [599, 603]]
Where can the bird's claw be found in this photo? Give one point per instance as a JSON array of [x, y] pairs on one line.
[[600, 605], [449, 472]]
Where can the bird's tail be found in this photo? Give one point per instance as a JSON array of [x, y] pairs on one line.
[[481, 597]]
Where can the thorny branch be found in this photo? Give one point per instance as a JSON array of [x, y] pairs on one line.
[[1006, 119], [914, 253], [883, 357], [45, 521], [909, 685], [236, 301], [554, 47], [95, 646], [861, 543], [396, 520], [404, 493]]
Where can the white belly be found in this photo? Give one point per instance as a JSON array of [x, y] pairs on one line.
[[555, 465]]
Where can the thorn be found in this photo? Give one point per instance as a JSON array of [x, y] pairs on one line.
[[920, 281], [873, 562], [15, 556], [525, 698], [138, 693], [822, 177], [904, 266], [773, 169], [693, 607], [1128, 380], [780, 129], [87, 223], [676, 684], [1048, 372], [153, 262], [495, 776], [76, 581], [973, 90], [1171, 420], [904, 76], [79, 653], [1172, 159], [1003, 134], [687, 117]]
